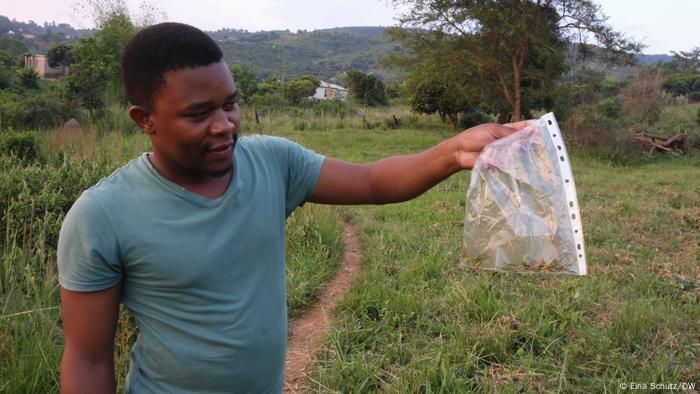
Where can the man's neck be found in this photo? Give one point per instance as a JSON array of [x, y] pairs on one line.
[[205, 185]]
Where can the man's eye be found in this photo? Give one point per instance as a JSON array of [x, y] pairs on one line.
[[230, 106], [199, 115]]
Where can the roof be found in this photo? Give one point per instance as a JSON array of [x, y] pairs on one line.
[[331, 86]]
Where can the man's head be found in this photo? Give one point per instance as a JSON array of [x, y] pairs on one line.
[[160, 48], [184, 97]]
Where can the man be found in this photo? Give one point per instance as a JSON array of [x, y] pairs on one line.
[[190, 237]]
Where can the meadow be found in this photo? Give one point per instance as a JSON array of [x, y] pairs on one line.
[[416, 320]]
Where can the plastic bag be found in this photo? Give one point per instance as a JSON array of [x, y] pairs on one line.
[[522, 213]]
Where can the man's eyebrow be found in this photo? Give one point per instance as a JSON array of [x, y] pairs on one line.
[[208, 104]]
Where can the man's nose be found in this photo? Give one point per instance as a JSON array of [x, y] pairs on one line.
[[222, 124]]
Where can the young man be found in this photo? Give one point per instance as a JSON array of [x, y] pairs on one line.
[[190, 237]]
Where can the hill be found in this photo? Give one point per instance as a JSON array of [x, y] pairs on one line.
[[281, 53], [322, 53]]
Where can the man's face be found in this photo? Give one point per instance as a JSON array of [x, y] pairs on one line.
[[196, 120]]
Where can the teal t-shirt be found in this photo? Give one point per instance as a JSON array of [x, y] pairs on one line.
[[204, 279]]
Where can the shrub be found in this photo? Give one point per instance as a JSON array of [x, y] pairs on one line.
[[472, 118], [610, 107], [32, 112], [29, 78], [24, 145], [644, 97]]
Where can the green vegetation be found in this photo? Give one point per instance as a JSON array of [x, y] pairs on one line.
[[511, 52], [417, 321]]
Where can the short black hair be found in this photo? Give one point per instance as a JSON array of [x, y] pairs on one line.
[[159, 48]]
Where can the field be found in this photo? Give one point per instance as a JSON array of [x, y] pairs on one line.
[[415, 320]]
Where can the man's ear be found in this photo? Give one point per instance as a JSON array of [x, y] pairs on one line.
[[142, 117]]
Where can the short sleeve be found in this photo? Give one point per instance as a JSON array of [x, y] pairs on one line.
[[303, 170], [88, 248]]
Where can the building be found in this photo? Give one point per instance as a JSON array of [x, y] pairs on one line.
[[40, 64], [329, 91]]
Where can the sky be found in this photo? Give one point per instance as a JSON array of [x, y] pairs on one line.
[[663, 26]]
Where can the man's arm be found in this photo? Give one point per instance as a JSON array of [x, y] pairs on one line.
[[89, 326], [402, 178]]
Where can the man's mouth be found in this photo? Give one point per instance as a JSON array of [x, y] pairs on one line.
[[221, 147]]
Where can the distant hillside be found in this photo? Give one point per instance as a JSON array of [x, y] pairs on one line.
[[653, 59], [322, 53], [283, 54], [31, 37]]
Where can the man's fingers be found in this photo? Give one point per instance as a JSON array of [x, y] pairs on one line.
[[500, 131], [518, 125]]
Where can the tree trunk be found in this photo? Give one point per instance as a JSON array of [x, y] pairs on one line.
[[516, 89]]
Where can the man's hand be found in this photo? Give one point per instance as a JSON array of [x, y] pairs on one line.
[[472, 141], [401, 178]]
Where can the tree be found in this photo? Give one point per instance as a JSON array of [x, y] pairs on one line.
[[89, 76], [515, 46], [60, 55], [687, 62], [246, 83], [95, 76], [28, 78], [367, 89], [429, 90], [295, 91]]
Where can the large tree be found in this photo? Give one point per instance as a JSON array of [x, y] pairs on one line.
[[513, 46]]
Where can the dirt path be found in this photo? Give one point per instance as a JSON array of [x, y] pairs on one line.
[[308, 330]]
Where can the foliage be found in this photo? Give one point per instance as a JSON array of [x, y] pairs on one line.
[[323, 53], [644, 97], [686, 62], [34, 111], [297, 90], [438, 85], [23, 144], [515, 47], [366, 89], [94, 78], [28, 78], [246, 84], [680, 84], [60, 55]]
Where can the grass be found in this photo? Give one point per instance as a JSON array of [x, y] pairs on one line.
[[415, 320]]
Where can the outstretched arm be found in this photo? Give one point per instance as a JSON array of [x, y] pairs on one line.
[[89, 325], [402, 178]]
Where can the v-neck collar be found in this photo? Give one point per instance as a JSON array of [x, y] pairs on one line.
[[188, 195]]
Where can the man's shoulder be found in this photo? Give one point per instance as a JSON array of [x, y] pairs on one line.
[[263, 142], [116, 186]]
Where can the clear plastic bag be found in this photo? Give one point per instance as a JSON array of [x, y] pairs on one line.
[[522, 213]]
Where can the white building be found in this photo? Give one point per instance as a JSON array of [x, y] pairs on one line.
[[329, 91]]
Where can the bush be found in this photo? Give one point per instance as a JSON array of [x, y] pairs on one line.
[[29, 78], [34, 112], [24, 145], [694, 96], [472, 118], [644, 97], [610, 107]]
